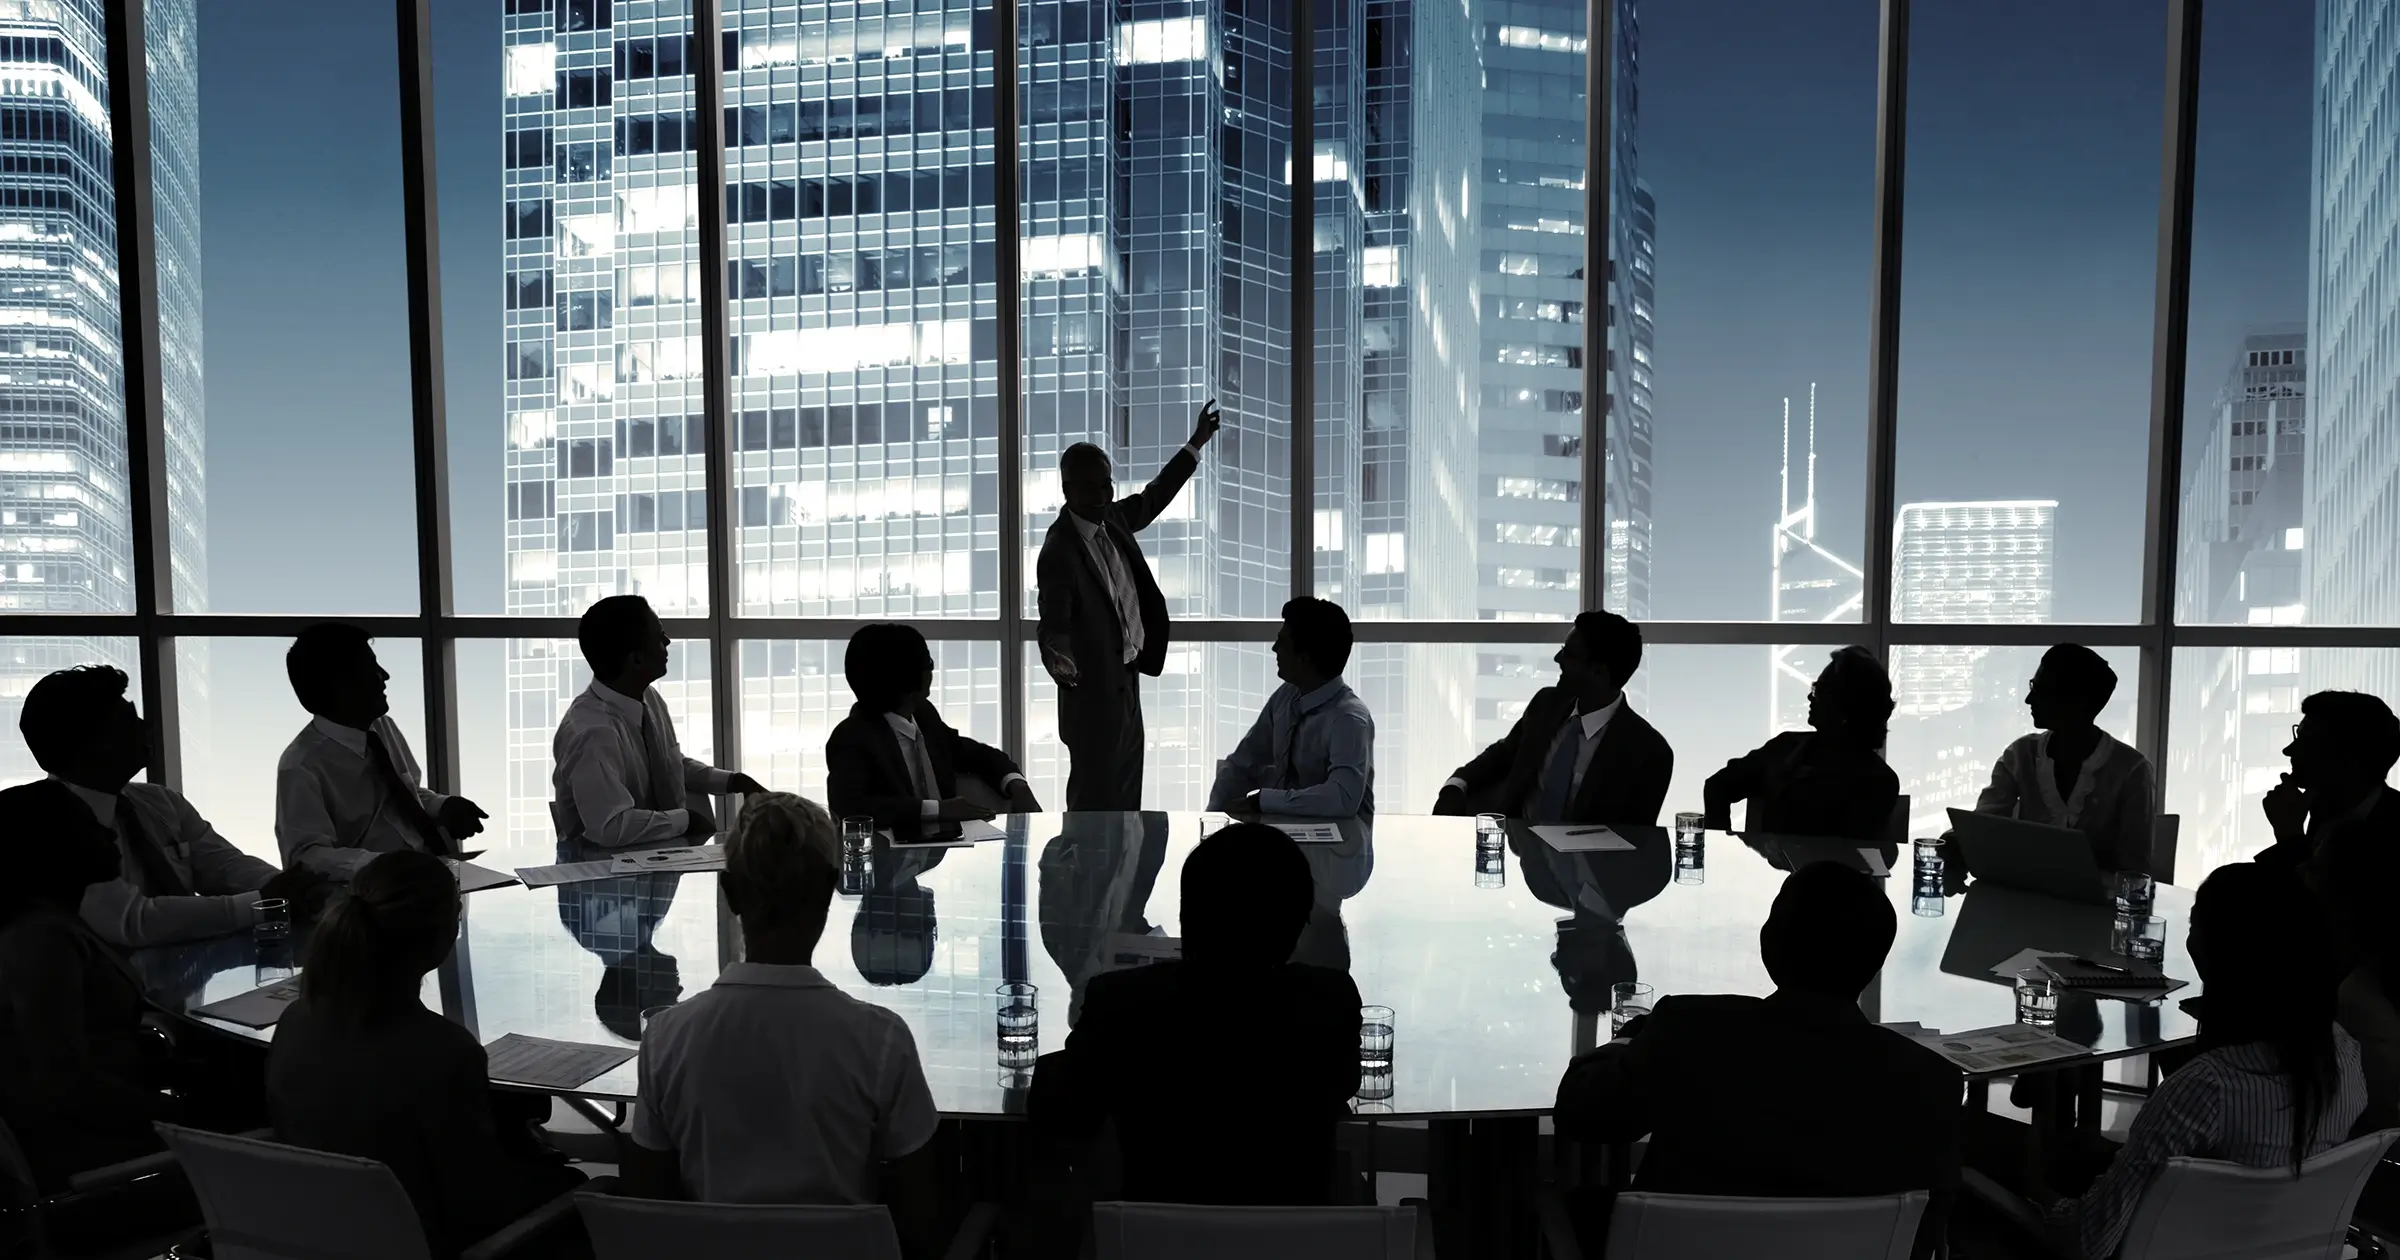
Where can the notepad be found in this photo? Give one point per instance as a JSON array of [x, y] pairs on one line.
[[473, 878], [524, 1060], [2076, 974], [972, 832], [259, 1008], [696, 857], [1568, 838], [1311, 833]]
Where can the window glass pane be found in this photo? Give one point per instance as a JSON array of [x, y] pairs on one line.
[[24, 661], [571, 260], [306, 500], [860, 294], [2028, 283], [239, 715], [1958, 708], [2234, 713], [1757, 351], [794, 692], [2287, 514], [512, 693], [64, 521]]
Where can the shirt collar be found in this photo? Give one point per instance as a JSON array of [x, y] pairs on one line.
[[632, 707], [772, 976], [1598, 719], [902, 725], [103, 804], [1326, 693], [1089, 529], [349, 737]]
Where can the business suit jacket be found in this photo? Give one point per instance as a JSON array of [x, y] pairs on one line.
[[1788, 1096], [866, 770], [75, 1085], [2352, 865], [1626, 783], [1077, 615], [1269, 1136]]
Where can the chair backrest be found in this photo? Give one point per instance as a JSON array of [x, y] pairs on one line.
[[1174, 1231], [2206, 1209], [1645, 1226], [650, 1229], [2163, 837], [268, 1201]]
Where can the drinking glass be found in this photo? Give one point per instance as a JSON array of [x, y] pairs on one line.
[[2037, 1001], [1019, 1028], [2141, 937], [1691, 863], [1928, 905], [858, 850], [1491, 851], [1374, 1052], [1689, 827], [274, 919], [1627, 1002], [1933, 858], [2136, 892]]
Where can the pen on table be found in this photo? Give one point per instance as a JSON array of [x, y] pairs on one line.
[[2096, 963], [1588, 831]]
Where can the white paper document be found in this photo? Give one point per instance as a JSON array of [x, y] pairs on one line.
[[551, 1064], [973, 831], [473, 878], [2003, 1048], [566, 873], [697, 857], [1568, 838], [1311, 833], [259, 1008], [1127, 950]]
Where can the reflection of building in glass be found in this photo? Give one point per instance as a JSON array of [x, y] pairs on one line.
[[1961, 564], [2351, 511], [64, 516], [2242, 556], [1808, 583]]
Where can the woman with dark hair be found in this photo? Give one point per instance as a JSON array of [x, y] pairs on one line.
[[1827, 781], [360, 1067], [77, 1086], [2275, 1082]]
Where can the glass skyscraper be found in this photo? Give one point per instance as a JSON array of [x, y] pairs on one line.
[[65, 519]]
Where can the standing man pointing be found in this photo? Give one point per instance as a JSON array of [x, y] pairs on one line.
[[1103, 619]]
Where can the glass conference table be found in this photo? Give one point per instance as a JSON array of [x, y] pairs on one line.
[[1494, 989]]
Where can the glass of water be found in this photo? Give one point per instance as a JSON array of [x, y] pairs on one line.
[[1020, 1024], [2037, 1000], [1933, 859], [1691, 863], [2136, 892], [274, 919], [1627, 1002], [1928, 905], [1491, 851], [1690, 827], [858, 853], [2141, 937], [1374, 1053]]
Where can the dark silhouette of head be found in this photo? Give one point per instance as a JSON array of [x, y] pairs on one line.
[[57, 847], [782, 863], [1852, 699], [1246, 895], [893, 934], [335, 674], [890, 667], [2070, 688], [1087, 480], [2263, 947], [623, 642], [2346, 744], [369, 954], [1314, 644], [1599, 658], [1828, 931], [633, 984], [79, 725]]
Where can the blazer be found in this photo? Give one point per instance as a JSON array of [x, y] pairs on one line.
[[1847, 1109], [2351, 864], [1626, 783], [867, 773], [1270, 1136], [76, 1083], [1077, 615], [1802, 783]]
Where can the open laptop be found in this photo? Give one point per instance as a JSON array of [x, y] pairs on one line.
[[2056, 861]]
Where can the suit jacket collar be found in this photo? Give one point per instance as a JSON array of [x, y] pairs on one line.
[[1113, 530], [886, 744], [1615, 739]]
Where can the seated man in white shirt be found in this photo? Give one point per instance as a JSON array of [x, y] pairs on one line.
[[2072, 774], [620, 779], [774, 1086], [180, 881], [1311, 754], [348, 787]]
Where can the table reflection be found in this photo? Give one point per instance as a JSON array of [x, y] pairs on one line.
[[1494, 988]]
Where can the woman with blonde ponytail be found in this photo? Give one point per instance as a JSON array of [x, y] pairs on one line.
[[360, 1067]]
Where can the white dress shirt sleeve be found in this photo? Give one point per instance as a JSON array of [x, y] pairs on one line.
[[593, 763], [304, 830]]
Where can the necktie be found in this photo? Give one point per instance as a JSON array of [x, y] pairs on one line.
[[1558, 779], [920, 767], [1290, 778], [159, 876], [405, 804]]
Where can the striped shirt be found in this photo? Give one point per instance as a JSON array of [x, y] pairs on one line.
[[2228, 1104]]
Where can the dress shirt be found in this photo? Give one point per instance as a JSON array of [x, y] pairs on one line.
[[1323, 743], [920, 764], [776, 1087], [334, 812], [2115, 800], [2232, 1103], [1594, 723], [1119, 581], [606, 787], [224, 881]]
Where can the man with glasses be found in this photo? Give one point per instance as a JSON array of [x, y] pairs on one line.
[[2336, 821]]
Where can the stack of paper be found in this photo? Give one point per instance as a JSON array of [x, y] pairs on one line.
[[1567, 838], [1311, 833], [551, 1064], [698, 857], [473, 878], [259, 1008], [2029, 962], [972, 832], [2003, 1048], [566, 873]]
